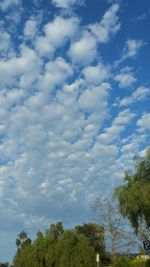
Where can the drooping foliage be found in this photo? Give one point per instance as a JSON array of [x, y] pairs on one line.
[[61, 248], [134, 195]]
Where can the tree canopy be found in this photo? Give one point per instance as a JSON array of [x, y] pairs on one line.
[[62, 248], [134, 195]]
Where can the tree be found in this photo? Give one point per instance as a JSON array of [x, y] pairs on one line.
[[95, 233], [22, 241], [116, 230], [56, 248], [74, 250], [134, 195], [55, 231]]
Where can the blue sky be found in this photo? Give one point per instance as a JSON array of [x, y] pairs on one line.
[[74, 107]]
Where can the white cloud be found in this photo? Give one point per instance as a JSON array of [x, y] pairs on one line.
[[140, 93], [108, 26], [59, 139], [57, 33], [21, 70], [144, 122], [5, 4], [96, 74], [30, 28], [80, 52], [95, 99], [132, 47], [5, 43], [60, 30], [56, 72], [44, 47], [67, 3], [141, 17], [118, 126], [125, 78]]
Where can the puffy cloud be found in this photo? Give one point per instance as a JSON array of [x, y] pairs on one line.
[[118, 126], [95, 99], [140, 93], [67, 3], [57, 33], [108, 26], [43, 46], [61, 29], [5, 4], [54, 149], [56, 72], [96, 74], [82, 53], [132, 47], [5, 42], [144, 122], [23, 69], [125, 78], [30, 28]]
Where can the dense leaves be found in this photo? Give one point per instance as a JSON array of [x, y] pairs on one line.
[[134, 195], [62, 248], [95, 234]]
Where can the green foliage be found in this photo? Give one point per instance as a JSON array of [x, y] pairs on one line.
[[140, 263], [134, 195], [126, 262], [22, 241], [95, 234], [121, 262], [58, 248]]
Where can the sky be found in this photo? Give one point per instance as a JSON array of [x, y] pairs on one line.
[[74, 108]]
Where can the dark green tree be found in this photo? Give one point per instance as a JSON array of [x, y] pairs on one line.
[[22, 241], [95, 233], [56, 248], [55, 231], [134, 195]]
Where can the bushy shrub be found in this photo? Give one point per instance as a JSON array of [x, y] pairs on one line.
[[140, 263], [126, 262], [121, 262]]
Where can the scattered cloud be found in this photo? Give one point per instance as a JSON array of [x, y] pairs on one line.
[[55, 73], [141, 17], [144, 122], [130, 50], [96, 74], [61, 137], [139, 94], [30, 28], [5, 43], [67, 3], [132, 47], [118, 126], [60, 29], [109, 25], [5, 4], [125, 78], [82, 53], [25, 67], [94, 99]]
